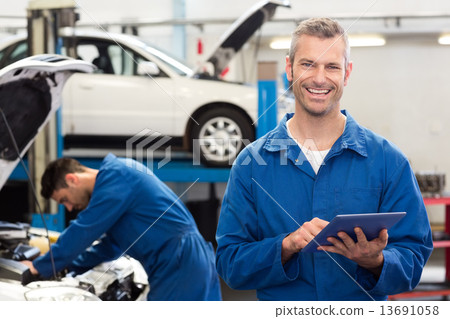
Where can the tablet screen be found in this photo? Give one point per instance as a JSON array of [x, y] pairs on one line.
[[371, 224]]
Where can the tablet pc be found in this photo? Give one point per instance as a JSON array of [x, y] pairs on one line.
[[371, 224]]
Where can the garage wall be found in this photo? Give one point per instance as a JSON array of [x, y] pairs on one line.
[[401, 91]]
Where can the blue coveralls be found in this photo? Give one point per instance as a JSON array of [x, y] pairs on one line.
[[129, 203], [273, 190]]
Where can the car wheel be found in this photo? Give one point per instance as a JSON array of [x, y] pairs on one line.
[[220, 136]]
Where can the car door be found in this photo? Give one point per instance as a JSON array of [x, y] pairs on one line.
[[115, 100]]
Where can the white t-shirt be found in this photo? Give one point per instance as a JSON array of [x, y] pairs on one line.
[[314, 156]]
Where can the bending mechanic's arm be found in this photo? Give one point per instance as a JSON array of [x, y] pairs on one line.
[[105, 250], [104, 209]]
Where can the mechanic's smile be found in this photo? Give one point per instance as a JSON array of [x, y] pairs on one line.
[[316, 91]]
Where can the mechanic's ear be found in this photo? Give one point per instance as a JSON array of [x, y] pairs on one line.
[[348, 70], [72, 179], [289, 70]]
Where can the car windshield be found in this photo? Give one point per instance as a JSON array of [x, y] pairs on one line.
[[177, 64]]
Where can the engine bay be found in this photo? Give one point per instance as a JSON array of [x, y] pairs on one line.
[[123, 279]]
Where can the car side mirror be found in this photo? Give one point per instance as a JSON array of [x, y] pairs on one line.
[[147, 68]]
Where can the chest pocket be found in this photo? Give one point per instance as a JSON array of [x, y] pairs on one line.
[[357, 200]]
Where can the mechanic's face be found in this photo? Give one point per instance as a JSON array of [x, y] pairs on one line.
[[74, 197], [319, 74]]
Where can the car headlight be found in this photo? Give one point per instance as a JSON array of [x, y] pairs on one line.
[[60, 294]]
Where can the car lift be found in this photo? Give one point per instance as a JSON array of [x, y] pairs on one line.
[[44, 19]]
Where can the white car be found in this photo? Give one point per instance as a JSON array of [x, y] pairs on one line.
[[138, 88], [30, 93]]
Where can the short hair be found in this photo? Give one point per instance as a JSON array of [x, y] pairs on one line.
[[323, 28], [54, 177]]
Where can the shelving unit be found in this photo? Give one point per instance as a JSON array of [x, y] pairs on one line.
[[444, 243], [435, 289]]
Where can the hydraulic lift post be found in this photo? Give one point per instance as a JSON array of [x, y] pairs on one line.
[[44, 19]]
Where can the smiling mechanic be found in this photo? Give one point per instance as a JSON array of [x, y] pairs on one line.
[[139, 215], [319, 162]]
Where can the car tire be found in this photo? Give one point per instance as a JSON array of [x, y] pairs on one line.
[[220, 135]]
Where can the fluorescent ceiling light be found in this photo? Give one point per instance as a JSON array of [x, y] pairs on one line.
[[280, 44], [444, 39], [366, 40]]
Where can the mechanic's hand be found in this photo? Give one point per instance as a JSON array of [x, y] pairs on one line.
[[29, 264], [295, 241], [367, 254]]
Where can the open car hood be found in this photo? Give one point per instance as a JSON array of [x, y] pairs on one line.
[[30, 92], [240, 32]]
